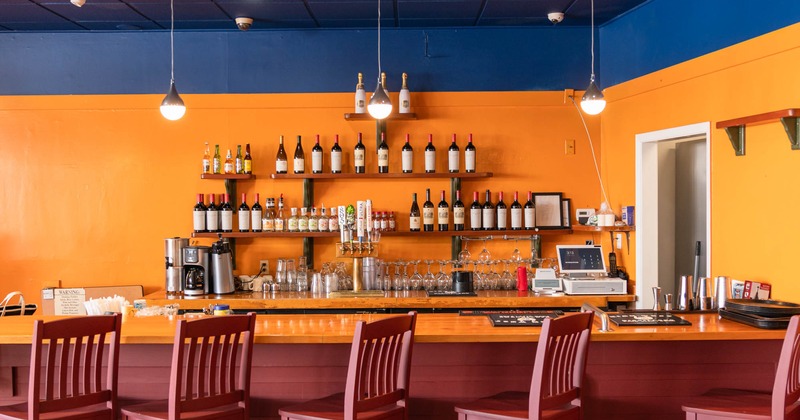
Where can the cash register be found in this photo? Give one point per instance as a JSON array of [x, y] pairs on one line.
[[583, 271]]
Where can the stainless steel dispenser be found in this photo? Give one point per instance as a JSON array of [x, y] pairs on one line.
[[173, 256], [196, 270], [221, 269]]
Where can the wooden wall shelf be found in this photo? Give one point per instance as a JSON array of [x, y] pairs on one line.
[[421, 234], [735, 128], [228, 176], [352, 116], [443, 175], [585, 228]]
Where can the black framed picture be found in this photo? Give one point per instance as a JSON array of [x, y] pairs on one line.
[[548, 210], [566, 212]]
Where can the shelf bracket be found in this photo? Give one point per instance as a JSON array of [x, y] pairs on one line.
[[792, 127], [736, 134]]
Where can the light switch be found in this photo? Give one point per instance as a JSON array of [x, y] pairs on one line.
[[569, 147]]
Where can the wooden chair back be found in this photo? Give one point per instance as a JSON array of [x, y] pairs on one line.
[[786, 389], [67, 361], [204, 362], [380, 364], [560, 363]]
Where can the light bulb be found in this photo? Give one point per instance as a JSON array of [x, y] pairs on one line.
[[593, 101], [78, 3], [379, 104], [172, 107]]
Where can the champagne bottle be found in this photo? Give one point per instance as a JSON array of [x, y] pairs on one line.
[[336, 156], [244, 215], [452, 156], [316, 158], [229, 168], [469, 156], [408, 157], [207, 160], [217, 162], [475, 211], [281, 161], [530, 213], [226, 214], [430, 156], [199, 214], [248, 160], [427, 212], [359, 155], [413, 223], [502, 213], [361, 96], [443, 214], [383, 155], [458, 212], [239, 160], [299, 157], [212, 215], [516, 213], [405, 97], [280, 221], [256, 215], [488, 212]]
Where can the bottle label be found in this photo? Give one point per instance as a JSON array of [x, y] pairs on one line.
[[383, 158], [217, 166], [333, 224], [322, 224], [427, 216], [299, 165], [227, 219], [413, 222], [336, 161], [199, 220], [228, 167], [313, 224], [469, 160], [268, 224], [452, 160], [302, 224], [458, 215], [502, 216], [293, 224], [358, 157], [244, 220], [516, 218], [281, 166], [212, 221], [488, 218], [530, 218], [430, 161], [376, 224], [206, 166], [443, 215], [255, 220], [278, 224], [384, 225], [408, 162], [316, 162], [405, 105], [392, 225], [248, 166], [239, 166], [475, 218], [361, 101]]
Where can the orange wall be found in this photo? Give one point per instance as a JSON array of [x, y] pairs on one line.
[[91, 185], [754, 198]]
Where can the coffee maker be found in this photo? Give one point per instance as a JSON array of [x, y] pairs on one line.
[[221, 268], [196, 270], [173, 256]]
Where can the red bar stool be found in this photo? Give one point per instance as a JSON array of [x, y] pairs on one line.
[[557, 377], [72, 351], [782, 403], [203, 380], [377, 376]]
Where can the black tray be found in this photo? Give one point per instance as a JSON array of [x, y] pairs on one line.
[[765, 308], [519, 320], [636, 319], [481, 312], [449, 293], [753, 320]]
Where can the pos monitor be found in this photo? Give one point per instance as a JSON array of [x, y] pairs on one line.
[[581, 261]]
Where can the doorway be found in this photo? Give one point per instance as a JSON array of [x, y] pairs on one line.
[[673, 207]]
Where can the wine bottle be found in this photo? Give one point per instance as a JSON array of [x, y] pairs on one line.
[[336, 156], [384, 222], [291, 223], [248, 160], [502, 213], [199, 214], [443, 214], [280, 222], [452, 156], [458, 212], [361, 96], [256, 215], [530, 213], [217, 162], [299, 157], [281, 161], [268, 220], [408, 157], [212, 215], [413, 223], [516, 213], [383, 155], [228, 167], [239, 164], [427, 212], [226, 214], [488, 212], [469, 156], [405, 97], [244, 215], [359, 155], [316, 158], [392, 222], [207, 160], [475, 211], [430, 156]]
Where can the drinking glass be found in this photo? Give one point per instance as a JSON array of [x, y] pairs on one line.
[[280, 274], [415, 280], [485, 255], [397, 282], [492, 276], [516, 256], [429, 280], [477, 276], [464, 255], [290, 276], [507, 279], [443, 281]]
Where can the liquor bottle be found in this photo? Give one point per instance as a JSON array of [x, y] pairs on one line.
[[226, 214], [359, 156], [333, 221], [430, 156], [229, 168], [291, 224], [280, 221], [256, 213], [316, 158], [268, 220], [413, 219], [199, 214], [392, 222], [405, 97], [302, 221], [207, 160], [427, 212], [336, 156], [212, 215], [516, 213], [299, 157], [216, 165], [383, 155], [469, 156], [502, 213], [443, 214], [239, 160], [458, 212], [530, 213], [488, 212], [384, 227], [244, 215], [452, 156], [361, 96], [313, 221], [376, 221], [281, 161], [475, 211], [322, 223], [408, 157], [248, 160]]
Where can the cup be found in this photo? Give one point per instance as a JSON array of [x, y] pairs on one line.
[[704, 293], [686, 294], [128, 312], [722, 288], [317, 284]]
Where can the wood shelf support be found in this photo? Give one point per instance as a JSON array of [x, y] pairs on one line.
[[735, 128]]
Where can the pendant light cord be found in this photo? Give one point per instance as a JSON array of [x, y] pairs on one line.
[[591, 146], [172, 40], [592, 41], [379, 42]]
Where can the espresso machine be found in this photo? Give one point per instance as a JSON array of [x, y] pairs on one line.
[[173, 256], [221, 268], [196, 270]]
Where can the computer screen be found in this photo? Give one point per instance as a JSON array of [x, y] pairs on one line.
[[577, 260]]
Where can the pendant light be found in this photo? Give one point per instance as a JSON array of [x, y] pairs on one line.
[[593, 101], [172, 107], [380, 106]]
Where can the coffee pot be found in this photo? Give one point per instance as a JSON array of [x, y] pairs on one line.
[[196, 270], [221, 268]]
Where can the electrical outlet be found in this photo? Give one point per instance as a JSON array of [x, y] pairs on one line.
[[568, 93], [569, 147], [264, 267]]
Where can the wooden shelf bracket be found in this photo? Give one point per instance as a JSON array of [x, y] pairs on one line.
[[735, 128]]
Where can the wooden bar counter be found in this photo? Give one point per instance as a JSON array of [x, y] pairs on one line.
[[632, 373]]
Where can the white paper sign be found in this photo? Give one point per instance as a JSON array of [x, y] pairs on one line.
[[69, 301]]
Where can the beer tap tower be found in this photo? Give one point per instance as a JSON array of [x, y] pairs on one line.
[[365, 244]]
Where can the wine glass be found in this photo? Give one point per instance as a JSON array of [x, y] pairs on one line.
[[442, 279], [398, 278], [516, 256], [493, 276], [485, 255], [429, 280], [507, 278], [464, 255], [477, 277], [415, 281]]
